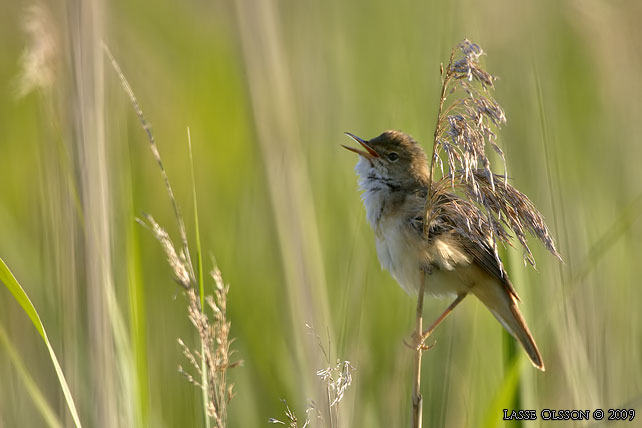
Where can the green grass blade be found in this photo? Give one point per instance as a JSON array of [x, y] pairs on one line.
[[511, 354], [618, 229], [505, 394], [10, 281], [138, 326], [41, 403], [199, 253], [511, 348], [201, 286]]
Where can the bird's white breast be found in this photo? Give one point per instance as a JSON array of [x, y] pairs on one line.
[[403, 252], [397, 255]]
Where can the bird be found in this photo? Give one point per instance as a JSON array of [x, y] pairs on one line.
[[394, 177]]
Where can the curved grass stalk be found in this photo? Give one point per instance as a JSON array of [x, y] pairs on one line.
[[12, 284]]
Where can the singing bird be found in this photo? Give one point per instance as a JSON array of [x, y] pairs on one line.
[[393, 175]]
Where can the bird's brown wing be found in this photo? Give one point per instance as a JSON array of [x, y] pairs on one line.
[[485, 258], [483, 255]]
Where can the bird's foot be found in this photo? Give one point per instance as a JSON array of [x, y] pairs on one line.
[[418, 342]]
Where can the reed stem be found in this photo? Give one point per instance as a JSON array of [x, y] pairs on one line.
[[417, 399]]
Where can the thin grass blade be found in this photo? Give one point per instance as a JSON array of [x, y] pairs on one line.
[[505, 394], [45, 409], [12, 284], [201, 286]]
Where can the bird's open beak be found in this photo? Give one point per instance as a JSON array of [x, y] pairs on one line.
[[368, 154]]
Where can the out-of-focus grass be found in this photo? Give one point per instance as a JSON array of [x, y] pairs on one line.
[[320, 69], [199, 276], [21, 297], [40, 402], [138, 326]]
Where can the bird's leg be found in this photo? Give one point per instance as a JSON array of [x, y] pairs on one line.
[[416, 341], [438, 321]]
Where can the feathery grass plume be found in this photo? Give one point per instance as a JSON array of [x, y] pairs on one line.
[[292, 422], [337, 380], [214, 332], [212, 361], [38, 62], [476, 202]]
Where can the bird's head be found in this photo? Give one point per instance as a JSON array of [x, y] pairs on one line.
[[393, 156]]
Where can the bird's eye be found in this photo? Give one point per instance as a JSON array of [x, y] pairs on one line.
[[393, 157]]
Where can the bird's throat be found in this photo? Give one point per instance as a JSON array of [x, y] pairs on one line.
[[381, 197]]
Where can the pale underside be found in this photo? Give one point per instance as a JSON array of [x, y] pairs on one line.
[[403, 250], [446, 267], [409, 259]]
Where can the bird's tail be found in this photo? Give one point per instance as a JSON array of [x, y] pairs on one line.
[[503, 306]]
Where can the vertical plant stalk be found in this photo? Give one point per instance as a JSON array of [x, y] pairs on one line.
[[417, 398], [200, 279], [85, 100], [438, 130]]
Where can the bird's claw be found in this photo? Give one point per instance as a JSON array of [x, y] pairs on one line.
[[417, 342]]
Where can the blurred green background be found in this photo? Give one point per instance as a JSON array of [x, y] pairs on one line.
[[267, 89]]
